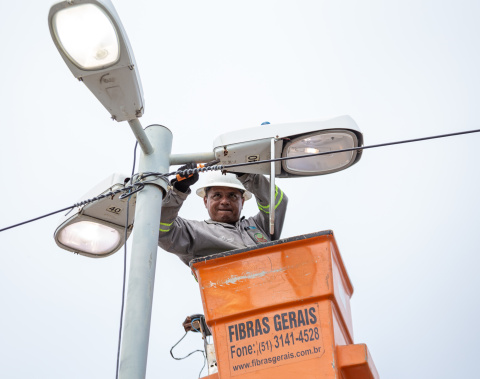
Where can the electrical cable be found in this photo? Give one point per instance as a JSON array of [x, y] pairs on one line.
[[135, 187], [37, 218], [139, 184], [193, 326], [125, 265], [158, 175], [223, 167], [353, 149], [186, 356]]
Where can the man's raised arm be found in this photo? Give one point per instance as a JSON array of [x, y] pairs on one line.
[[259, 185]]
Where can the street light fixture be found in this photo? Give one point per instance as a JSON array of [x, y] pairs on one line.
[[98, 229], [292, 140], [93, 43]]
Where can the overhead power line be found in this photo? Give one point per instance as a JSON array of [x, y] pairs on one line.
[[353, 149], [128, 190], [142, 178]]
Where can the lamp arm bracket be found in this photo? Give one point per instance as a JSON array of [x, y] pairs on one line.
[[202, 157], [141, 136]]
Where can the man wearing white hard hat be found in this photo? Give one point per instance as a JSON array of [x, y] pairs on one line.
[[223, 196]]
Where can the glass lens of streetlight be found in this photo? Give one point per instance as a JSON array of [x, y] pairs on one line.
[[90, 237], [87, 35], [319, 143]]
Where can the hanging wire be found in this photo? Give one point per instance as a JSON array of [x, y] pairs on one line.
[[361, 148], [193, 352], [141, 179], [37, 218], [193, 320], [187, 172], [125, 264], [135, 188]]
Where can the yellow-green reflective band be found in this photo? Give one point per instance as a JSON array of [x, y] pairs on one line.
[[279, 200], [164, 224], [263, 207], [266, 208]]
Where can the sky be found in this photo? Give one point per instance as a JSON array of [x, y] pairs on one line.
[[405, 217]]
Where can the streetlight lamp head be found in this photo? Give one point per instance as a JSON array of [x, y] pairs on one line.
[[93, 43], [88, 48], [292, 140], [316, 143], [90, 237], [97, 229]]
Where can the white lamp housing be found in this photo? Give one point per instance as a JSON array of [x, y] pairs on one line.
[[292, 139], [93, 43], [97, 229]]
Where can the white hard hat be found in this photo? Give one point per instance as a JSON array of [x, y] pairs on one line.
[[217, 179]]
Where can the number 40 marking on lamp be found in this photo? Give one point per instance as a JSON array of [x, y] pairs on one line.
[[114, 210]]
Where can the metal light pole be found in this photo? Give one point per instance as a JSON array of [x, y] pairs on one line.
[[138, 307]]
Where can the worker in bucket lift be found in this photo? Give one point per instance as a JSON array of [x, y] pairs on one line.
[[223, 196]]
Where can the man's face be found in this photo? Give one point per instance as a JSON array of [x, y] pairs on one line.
[[224, 204]]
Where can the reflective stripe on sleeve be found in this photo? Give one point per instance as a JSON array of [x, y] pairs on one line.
[[164, 224], [266, 208]]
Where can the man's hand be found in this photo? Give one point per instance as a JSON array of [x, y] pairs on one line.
[[186, 180]]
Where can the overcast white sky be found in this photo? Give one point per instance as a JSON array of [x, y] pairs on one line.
[[405, 218]]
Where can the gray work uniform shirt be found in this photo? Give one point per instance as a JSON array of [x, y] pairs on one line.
[[189, 239]]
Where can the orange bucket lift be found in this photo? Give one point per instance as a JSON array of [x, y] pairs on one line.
[[281, 310]]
